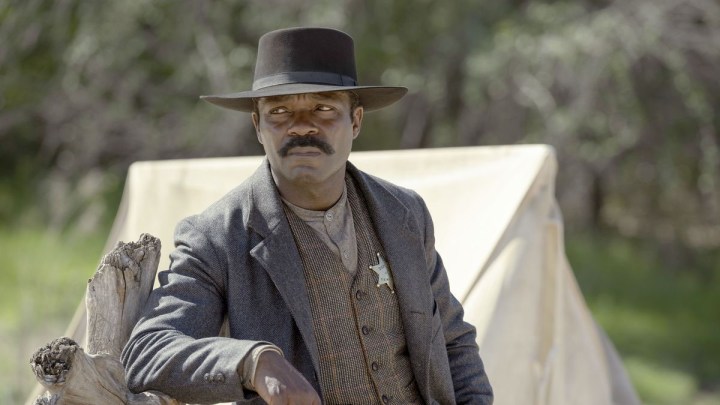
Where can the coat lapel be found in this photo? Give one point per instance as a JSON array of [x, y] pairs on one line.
[[278, 254], [401, 237]]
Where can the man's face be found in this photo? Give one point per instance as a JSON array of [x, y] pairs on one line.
[[307, 137]]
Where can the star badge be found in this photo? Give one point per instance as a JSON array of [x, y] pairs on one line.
[[383, 272]]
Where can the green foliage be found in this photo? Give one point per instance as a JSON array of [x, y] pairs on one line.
[[611, 88]]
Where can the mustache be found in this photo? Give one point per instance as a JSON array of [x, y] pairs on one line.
[[305, 140]]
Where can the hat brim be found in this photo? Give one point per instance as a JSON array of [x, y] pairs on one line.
[[371, 97]]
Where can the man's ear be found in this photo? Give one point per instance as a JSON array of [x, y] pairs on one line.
[[357, 117], [256, 124]]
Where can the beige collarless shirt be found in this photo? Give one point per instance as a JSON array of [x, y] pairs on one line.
[[335, 227]]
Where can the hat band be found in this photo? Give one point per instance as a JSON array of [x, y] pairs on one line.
[[333, 79]]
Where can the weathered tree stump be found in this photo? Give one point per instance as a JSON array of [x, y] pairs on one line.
[[115, 297], [72, 376], [117, 293]]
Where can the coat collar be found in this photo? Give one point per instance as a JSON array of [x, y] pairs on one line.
[[266, 213]]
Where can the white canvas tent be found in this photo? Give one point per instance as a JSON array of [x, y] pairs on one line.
[[500, 233]]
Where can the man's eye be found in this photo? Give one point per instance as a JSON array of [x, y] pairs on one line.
[[324, 108], [278, 110]]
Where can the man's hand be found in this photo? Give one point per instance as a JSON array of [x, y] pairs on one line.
[[278, 382]]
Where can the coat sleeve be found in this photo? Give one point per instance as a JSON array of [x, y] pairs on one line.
[[174, 348], [470, 382]]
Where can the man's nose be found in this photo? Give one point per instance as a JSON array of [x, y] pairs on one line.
[[302, 124]]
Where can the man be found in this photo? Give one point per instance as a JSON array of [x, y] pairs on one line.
[[327, 277]]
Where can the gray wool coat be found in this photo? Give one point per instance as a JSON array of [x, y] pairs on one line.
[[237, 262]]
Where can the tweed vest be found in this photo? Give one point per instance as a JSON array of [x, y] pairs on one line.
[[357, 325]]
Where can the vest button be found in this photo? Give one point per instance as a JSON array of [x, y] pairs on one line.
[[375, 366], [385, 399], [365, 330], [359, 294]]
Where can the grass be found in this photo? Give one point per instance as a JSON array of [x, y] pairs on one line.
[[662, 314], [42, 281]]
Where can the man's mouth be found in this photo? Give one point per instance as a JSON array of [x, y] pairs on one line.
[[304, 151], [305, 146]]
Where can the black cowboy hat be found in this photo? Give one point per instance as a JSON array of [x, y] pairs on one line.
[[306, 60]]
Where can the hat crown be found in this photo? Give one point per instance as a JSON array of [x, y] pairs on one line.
[[305, 55]]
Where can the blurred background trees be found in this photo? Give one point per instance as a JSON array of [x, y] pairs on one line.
[[628, 93]]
